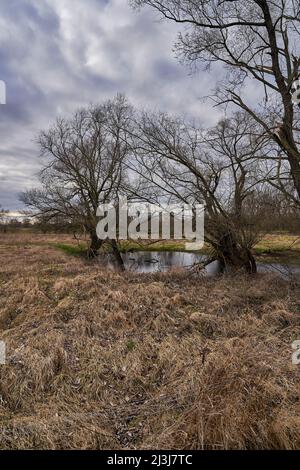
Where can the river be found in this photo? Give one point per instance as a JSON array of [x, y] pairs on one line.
[[161, 261]]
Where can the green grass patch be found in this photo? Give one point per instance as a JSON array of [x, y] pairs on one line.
[[131, 345], [72, 250], [160, 245]]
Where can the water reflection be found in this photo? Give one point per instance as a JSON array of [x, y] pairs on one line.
[[161, 261], [158, 261]]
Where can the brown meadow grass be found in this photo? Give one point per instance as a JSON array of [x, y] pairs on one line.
[[102, 360]]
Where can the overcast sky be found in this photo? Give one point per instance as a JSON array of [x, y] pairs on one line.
[[57, 55]]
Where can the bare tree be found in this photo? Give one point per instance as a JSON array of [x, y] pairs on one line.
[[84, 166], [4, 219], [255, 40], [216, 167], [270, 210]]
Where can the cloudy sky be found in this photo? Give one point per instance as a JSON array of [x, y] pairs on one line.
[[57, 55]]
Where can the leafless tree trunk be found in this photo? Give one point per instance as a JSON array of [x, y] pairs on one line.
[[217, 167], [84, 167], [257, 40]]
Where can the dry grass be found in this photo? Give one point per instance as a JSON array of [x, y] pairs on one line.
[[279, 247], [100, 360]]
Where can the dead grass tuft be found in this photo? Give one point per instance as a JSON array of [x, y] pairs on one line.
[[100, 360]]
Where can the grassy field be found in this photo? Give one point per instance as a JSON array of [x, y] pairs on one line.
[[103, 360], [272, 248], [275, 247], [281, 247]]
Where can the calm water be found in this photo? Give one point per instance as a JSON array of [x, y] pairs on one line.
[[161, 261]]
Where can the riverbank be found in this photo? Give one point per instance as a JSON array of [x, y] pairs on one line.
[[99, 359], [276, 247]]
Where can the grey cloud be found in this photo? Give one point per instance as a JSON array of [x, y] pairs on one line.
[[57, 55]]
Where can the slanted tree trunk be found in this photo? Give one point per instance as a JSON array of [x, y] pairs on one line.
[[233, 256], [117, 255], [295, 171], [95, 245], [284, 137]]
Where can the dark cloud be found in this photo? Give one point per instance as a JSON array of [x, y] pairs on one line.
[[57, 55]]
